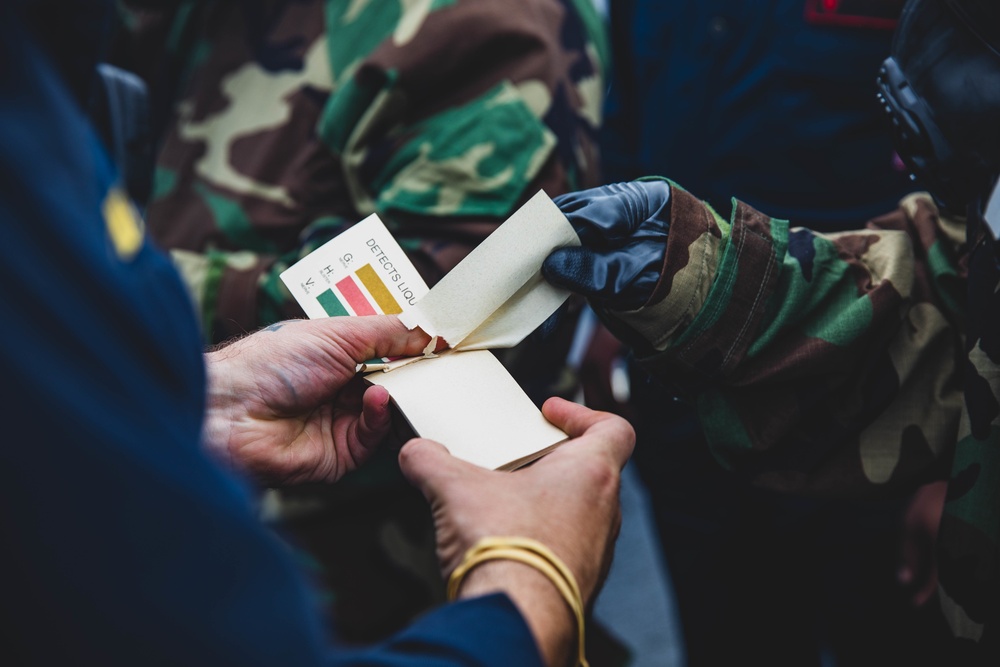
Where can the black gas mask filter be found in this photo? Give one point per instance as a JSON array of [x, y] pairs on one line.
[[940, 90]]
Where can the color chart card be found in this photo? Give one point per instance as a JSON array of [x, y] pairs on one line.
[[363, 271]]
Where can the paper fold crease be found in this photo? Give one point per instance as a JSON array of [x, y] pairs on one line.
[[496, 296]]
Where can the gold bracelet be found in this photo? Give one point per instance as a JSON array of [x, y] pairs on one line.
[[533, 553]]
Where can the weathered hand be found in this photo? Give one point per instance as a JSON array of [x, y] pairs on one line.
[[284, 405], [568, 500]]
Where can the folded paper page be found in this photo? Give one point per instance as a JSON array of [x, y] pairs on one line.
[[466, 400], [496, 296]]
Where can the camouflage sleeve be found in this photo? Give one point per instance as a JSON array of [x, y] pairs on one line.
[[460, 114], [442, 117], [820, 363]]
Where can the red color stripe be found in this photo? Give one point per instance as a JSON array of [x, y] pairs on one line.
[[355, 299]]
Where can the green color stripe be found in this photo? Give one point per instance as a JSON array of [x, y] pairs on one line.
[[331, 304]]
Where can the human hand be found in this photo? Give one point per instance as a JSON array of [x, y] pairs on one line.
[[284, 405], [918, 561], [567, 500], [623, 231]]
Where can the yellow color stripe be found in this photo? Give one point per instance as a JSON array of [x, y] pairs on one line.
[[366, 274]]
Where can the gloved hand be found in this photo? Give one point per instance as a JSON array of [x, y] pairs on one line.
[[623, 231]]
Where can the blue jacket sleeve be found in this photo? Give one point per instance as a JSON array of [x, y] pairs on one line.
[[486, 631], [123, 543]]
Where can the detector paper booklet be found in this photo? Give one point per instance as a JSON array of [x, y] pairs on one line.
[[462, 397]]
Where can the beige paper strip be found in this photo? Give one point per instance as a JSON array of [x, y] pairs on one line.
[[496, 296], [469, 403]]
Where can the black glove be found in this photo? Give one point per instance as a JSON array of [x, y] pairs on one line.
[[623, 232]]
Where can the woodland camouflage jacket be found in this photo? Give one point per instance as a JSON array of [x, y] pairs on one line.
[[857, 363], [292, 119]]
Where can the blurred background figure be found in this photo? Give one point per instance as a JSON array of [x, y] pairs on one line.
[[773, 103], [280, 123]]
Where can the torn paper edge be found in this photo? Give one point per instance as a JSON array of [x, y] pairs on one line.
[[490, 275]]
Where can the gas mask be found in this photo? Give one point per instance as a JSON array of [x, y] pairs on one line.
[[940, 89]]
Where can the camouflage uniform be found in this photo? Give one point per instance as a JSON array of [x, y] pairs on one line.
[[293, 120], [845, 364], [290, 120]]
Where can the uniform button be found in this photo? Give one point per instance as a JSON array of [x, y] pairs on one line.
[[718, 26]]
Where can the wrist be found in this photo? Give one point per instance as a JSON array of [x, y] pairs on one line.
[[217, 421], [541, 605], [686, 276]]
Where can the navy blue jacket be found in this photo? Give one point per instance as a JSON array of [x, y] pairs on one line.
[[122, 543], [755, 100]]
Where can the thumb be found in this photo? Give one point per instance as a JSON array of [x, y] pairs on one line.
[[573, 268], [429, 466]]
